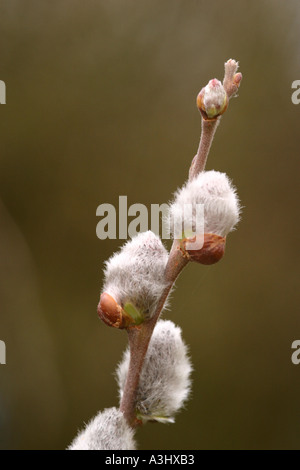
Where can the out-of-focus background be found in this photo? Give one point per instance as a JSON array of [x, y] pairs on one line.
[[101, 103]]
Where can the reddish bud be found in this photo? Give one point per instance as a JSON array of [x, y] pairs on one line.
[[111, 313], [211, 252], [237, 79]]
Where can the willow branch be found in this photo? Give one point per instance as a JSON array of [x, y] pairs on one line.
[[139, 336]]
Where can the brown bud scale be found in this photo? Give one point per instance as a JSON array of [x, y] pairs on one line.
[[111, 313], [211, 252]]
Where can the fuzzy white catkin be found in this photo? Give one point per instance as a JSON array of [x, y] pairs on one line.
[[165, 378], [221, 205], [136, 273], [107, 431]]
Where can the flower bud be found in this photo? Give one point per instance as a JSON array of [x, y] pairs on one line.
[[107, 431], [212, 100], [214, 191], [134, 281], [164, 383]]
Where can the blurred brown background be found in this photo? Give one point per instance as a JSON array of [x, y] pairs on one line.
[[101, 103]]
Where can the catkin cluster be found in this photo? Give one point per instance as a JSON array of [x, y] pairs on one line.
[[136, 285]]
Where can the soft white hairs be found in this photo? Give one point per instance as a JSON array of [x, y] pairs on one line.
[[107, 431], [165, 382], [221, 205], [136, 273]]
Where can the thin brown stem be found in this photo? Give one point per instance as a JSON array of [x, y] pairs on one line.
[[209, 128], [138, 343]]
